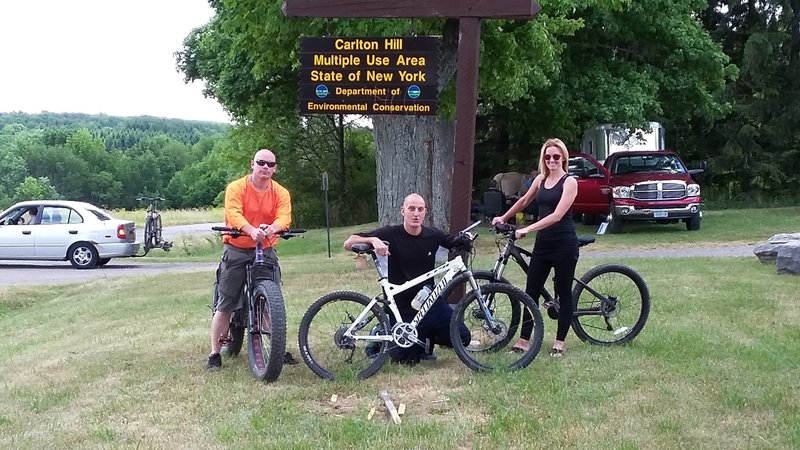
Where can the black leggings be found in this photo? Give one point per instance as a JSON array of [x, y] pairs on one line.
[[538, 272]]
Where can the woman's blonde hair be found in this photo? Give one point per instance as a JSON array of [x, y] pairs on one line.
[[553, 142]]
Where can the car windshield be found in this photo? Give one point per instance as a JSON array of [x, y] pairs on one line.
[[648, 163]]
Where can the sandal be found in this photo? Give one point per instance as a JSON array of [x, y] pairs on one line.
[[556, 353], [520, 347]]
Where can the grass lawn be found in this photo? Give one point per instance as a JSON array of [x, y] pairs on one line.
[[118, 363]]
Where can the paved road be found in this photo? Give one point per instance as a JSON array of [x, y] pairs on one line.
[[55, 272], [17, 273]]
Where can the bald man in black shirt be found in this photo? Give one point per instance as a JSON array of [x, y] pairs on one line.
[[413, 252]]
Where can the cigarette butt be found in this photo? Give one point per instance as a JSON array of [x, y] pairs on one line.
[[371, 413], [401, 409], [334, 397]]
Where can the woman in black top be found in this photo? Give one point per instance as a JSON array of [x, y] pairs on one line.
[[556, 245]]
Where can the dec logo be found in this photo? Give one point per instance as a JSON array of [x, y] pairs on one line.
[[322, 91]]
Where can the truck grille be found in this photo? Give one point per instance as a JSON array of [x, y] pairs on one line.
[[661, 190]]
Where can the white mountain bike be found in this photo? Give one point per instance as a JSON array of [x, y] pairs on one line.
[[347, 334]]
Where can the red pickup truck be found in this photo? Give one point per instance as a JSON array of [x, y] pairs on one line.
[[636, 186]]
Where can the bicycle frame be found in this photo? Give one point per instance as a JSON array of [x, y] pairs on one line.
[[449, 270], [511, 250]]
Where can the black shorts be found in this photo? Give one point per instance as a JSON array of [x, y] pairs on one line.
[[231, 274]]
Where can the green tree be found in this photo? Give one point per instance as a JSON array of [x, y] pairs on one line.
[[35, 189], [549, 76], [756, 149]]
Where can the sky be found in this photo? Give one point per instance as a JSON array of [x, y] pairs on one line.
[[101, 56]]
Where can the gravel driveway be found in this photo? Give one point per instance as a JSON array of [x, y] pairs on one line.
[[17, 273]]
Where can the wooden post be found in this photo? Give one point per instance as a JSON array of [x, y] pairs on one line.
[[469, 13]]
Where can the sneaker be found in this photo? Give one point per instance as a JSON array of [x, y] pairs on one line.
[[214, 362], [373, 347], [288, 360], [557, 353]]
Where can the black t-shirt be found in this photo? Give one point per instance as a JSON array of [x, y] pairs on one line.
[[411, 256]]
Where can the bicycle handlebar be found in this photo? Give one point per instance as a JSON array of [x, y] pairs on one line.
[[509, 232], [285, 234], [367, 247], [504, 228]]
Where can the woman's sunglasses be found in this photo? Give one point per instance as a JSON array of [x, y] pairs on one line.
[[261, 163], [556, 157]]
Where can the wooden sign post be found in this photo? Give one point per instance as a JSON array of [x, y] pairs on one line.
[[469, 14]]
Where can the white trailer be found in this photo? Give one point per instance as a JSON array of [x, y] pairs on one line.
[[606, 139]]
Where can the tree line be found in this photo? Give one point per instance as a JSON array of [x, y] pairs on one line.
[[69, 156]]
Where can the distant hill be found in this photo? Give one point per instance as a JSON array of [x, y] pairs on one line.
[[117, 132]]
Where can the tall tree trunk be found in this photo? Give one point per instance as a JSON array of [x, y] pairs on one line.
[[415, 153]]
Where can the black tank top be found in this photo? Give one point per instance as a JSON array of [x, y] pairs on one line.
[[560, 235]]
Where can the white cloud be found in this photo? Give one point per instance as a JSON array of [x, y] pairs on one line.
[[100, 56]]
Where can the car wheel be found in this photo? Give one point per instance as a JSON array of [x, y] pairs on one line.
[[83, 255], [103, 261], [693, 223]]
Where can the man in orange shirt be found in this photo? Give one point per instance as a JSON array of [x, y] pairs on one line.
[[259, 207]]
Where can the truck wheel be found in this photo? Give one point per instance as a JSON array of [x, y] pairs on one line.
[[615, 227], [693, 223]]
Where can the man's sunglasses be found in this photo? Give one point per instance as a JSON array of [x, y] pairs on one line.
[[261, 163], [556, 157]]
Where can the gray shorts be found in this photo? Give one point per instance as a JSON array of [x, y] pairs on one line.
[[231, 275]]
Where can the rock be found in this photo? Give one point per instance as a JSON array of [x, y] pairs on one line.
[[784, 237], [788, 260], [767, 252]]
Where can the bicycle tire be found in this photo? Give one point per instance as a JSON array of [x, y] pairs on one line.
[[487, 349], [266, 342], [148, 232], [236, 332], [484, 277], [623, 286], [157, 241], [324, 348]]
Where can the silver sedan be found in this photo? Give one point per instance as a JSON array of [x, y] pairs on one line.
[[59, 230]]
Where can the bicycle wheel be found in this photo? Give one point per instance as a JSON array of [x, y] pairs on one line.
[[266, 343], [488, 347], [157, 231], [325, 349], [236, 332], [148, 233], [613, 306]]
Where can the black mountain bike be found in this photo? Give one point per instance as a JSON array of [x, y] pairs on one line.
[[152, 226], [263, 314], [612, 301]]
